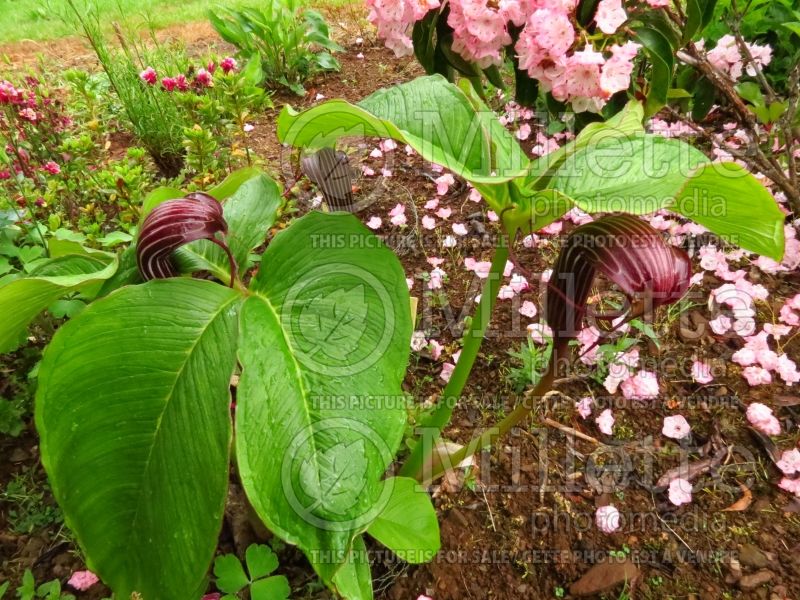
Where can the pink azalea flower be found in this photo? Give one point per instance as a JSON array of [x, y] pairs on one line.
[[82, 580], [444, 213], [528, 309], [701, 372], [149, 76], [432, 204], [51, 167], [376, 153], [474, 195], [169, 83], [374, 223], [443, 183], [584, 406], [388, 145], [680, 491], [607, 518], [642, 386], [228, 64], [459, 229], [605, 422], [760, 416], [428, 222], [676, 427], [789, 462], [204, 78], [398, 220]]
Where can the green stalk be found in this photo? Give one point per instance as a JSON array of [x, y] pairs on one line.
[[443, 412]]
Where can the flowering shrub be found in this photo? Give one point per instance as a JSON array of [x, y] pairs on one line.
[[579, 59]]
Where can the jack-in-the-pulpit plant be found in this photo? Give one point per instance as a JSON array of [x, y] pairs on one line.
[[135, 397], [134, 406]]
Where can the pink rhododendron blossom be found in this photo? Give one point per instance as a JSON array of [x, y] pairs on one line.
[[82, 580], [676, 427], [540, 332], [642, 386], [374, 223], [444, 213], [435, 348], [610, 15], [149, 76], [524, 132], [436, 279], [605, 422], [701, 372], [428, 222], [443, 183], [777, 331], [459, 229], [584, 406], [432, 204], [787, 369], [447, 371], [756, 376], [680, 491], [528, 309], [418, 341], [607, 518], [789, 463], [760, 416], [518, 283], [790, 485]]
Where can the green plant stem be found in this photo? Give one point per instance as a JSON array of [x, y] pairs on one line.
[[486, 437], [441, 415]]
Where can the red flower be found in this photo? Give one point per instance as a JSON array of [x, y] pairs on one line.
[[149, 76], [204, 78], [228, 64], [51, 167], [169, 83]]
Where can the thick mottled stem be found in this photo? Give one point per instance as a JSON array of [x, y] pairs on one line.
[[441, 415]]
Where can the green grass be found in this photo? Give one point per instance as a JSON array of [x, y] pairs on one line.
[[42, 19]]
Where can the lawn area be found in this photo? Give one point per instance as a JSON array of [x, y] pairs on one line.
[[48, 19]]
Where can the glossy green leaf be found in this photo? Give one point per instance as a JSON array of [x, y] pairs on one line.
[[407, 525], [660, 54], [354, 580], [156, 197], [728, 200], [430, 114], [636, 174], [324, 343], [133, 414], [22, 299]]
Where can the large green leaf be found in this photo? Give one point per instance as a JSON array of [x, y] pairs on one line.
[[324, 344], [408, 525], [728, 200], [133, 414], [22, 299], [430, 114], [635, 174]]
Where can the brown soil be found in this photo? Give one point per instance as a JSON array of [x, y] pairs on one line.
[[521, 524]]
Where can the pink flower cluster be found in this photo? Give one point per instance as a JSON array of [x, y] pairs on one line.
[[545, 47], [203, 78], [727, 57], [395, 18]]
